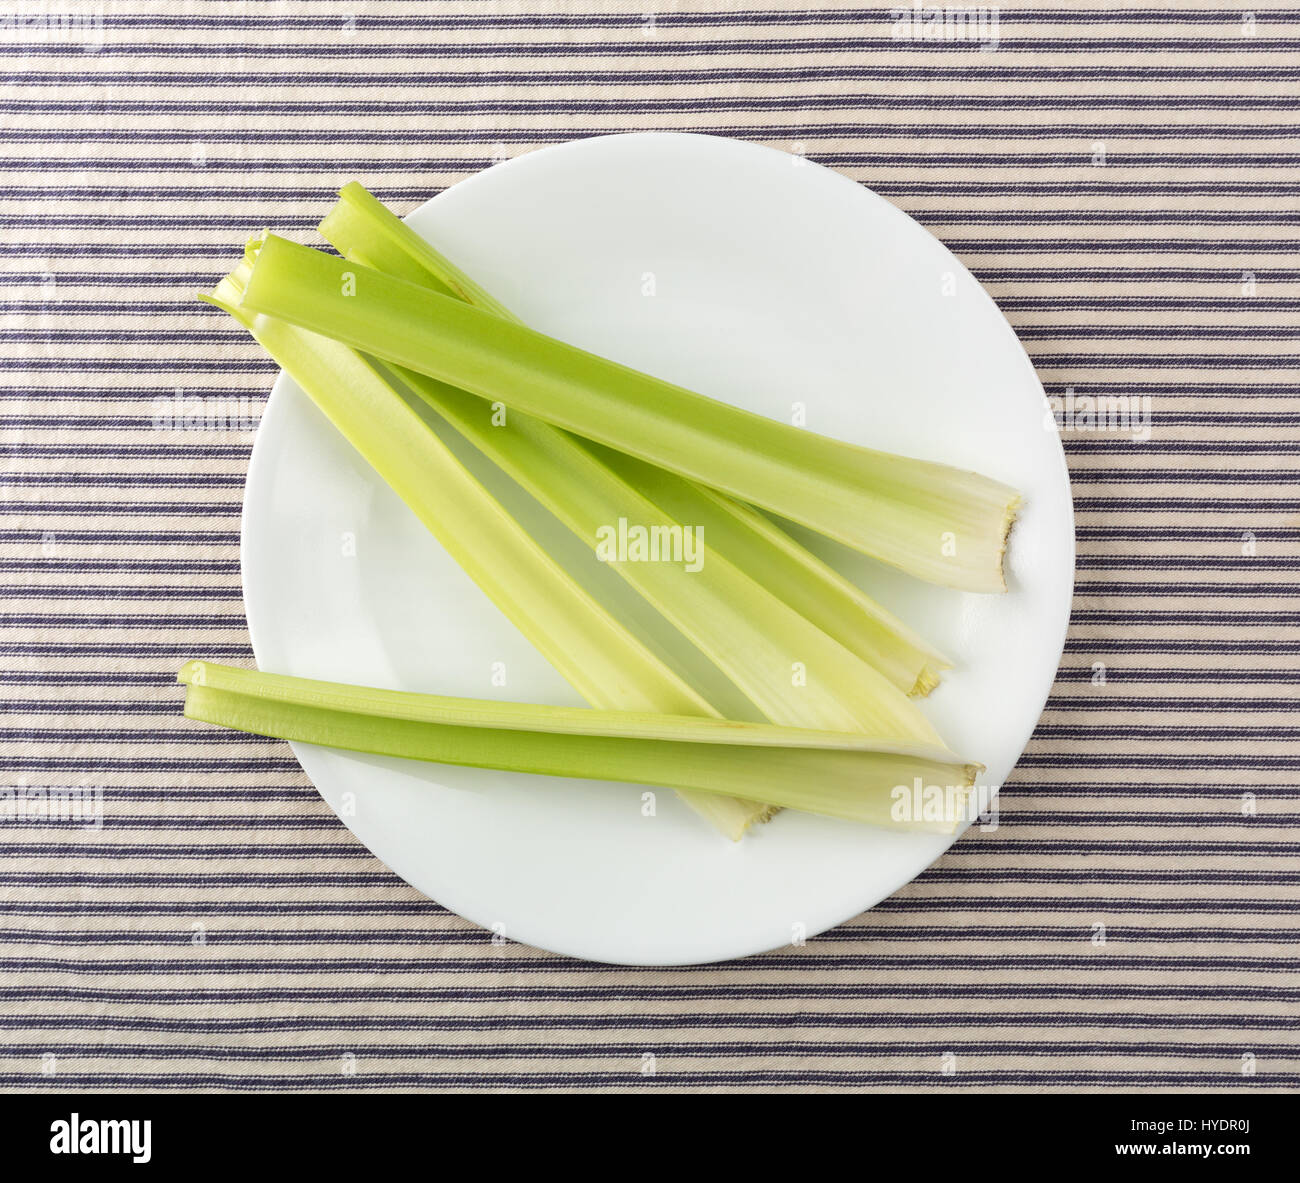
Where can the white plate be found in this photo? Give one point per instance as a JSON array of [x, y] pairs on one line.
[[775, 281]]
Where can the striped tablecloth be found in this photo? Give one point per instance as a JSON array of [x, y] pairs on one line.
[[1124, 182]]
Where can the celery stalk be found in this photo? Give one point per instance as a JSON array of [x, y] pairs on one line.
[[362, 228], [845, 776], [790, 571], [934, 521], [604, 662]]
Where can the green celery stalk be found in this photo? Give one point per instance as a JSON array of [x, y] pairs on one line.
[[790, 571], [362, 228], [600, 658], [934, 521], [841, 775]]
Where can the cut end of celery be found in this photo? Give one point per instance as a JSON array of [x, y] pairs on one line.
[[730, 816], [973, 773], [991, 524], [254, 245], [1009, 517], [962, 817], [926, 680]]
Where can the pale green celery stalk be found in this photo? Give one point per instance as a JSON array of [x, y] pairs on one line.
[[939, 523], [846, 776], [790, 571], [604, 662], [362, 228]]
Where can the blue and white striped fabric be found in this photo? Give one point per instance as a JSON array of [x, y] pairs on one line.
[[181, 911]]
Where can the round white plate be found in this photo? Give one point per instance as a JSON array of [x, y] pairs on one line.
[[751, 276]]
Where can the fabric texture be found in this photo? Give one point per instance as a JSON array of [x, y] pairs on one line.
[[1124, 182]]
